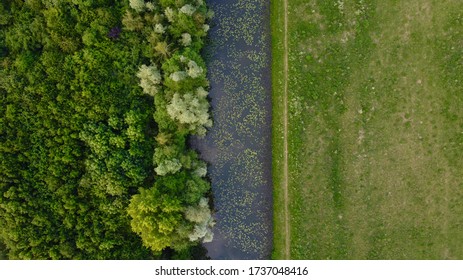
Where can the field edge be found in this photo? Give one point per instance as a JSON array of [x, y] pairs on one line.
[[277, 34]]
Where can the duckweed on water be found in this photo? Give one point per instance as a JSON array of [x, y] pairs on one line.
[[238, 58]]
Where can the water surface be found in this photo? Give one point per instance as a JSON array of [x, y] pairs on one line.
[[238, 146]]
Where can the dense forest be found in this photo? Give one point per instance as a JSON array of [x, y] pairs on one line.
[[98, 99]]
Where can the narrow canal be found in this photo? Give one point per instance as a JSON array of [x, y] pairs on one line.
[[238, 146]]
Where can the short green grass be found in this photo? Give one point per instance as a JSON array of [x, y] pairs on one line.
[[277, 29], [376, 129]]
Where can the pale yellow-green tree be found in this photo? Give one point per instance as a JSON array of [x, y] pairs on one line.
[[191, 109], [155, 217], [150, 79]]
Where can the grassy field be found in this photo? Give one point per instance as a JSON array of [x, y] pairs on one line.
[[375, 139]]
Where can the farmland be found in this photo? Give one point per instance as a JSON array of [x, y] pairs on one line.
[[374, 129]]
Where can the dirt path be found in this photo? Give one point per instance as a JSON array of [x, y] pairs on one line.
[[285, 133]]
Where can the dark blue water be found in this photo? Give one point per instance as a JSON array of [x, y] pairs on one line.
[[238, 146]]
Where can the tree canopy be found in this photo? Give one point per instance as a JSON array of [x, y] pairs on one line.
[[84, 165]]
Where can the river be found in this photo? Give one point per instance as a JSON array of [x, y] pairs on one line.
[[238, 146]]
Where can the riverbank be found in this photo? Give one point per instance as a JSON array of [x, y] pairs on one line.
[[281, 232]]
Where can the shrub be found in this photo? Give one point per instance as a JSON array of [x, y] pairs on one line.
[[137, 5], [201, 216], [194, 70], [191, 109], [187, 9], [162, 49], [159, 28], [150, 79], [167, 166], [178, 76], [186, 39], [131, 22]]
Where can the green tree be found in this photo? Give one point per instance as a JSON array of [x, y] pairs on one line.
[[157, 218]]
